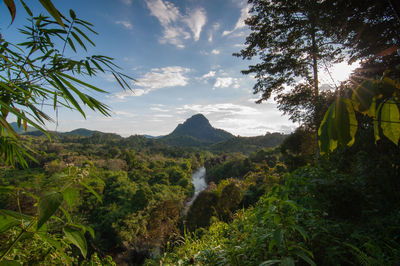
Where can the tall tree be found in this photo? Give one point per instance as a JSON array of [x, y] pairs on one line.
[[370, 32], [290, 39]]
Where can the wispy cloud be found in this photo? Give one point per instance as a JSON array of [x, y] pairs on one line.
[[221, 108], [175, 24], [195, 21], [215, 51], [244, 14], [120, 96], [125, 114], [158, 78], [124, 23], [127, 2], [214, 28]]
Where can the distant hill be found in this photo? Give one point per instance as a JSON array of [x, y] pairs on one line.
[[195, 132], [21, 130], [80, 132], [83, 132], [246, 145]]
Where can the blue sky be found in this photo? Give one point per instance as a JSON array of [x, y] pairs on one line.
[[180, 53]]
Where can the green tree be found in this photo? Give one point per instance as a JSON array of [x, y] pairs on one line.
[[292, 41], [37, 72]]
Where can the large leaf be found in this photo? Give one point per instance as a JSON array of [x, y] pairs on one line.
[[339, 126], [77, 238], [48, 205], [390, 120], [8, 219], [7, 222], [325, 141], [70, 195], [363, 95]]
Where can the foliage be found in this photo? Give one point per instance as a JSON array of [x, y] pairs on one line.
[[42, 225], [291, 39], [37, 72], [376, 99]]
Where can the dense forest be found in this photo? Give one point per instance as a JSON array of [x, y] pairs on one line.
[[326, 194]]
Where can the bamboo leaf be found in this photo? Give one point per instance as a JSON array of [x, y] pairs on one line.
[[52, 11], [84, 35], [26, 8], [78, 40], [11, 8]]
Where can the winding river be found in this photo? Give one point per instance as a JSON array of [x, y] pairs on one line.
[[199, 182]]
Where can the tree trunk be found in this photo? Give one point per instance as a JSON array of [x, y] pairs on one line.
[[314, 52]]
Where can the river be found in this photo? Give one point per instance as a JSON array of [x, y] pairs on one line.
[[199, 183]]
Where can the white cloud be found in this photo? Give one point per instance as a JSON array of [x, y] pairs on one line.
[[158, 78], [215, 51], [124, 23], [244, 14], [175, 24], [208, 75], [224, 82], [130, 93], [195, 21]]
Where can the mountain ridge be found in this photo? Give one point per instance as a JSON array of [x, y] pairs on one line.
[[196, 131]]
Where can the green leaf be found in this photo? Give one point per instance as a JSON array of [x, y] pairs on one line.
[[325, 141], [305, 257], [78, 40], [7, 222], [71, 44], [363, 95], [300, 229], [11, 8], [72, 14], [26, 8], [77, 238], [48, 205], [339, 126], [70, 195], [91, 190], [390, 120], [53, 11], [84, 35]]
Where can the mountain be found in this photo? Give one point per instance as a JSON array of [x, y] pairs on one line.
[[82, 132], [195, 132], [21, 130]]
